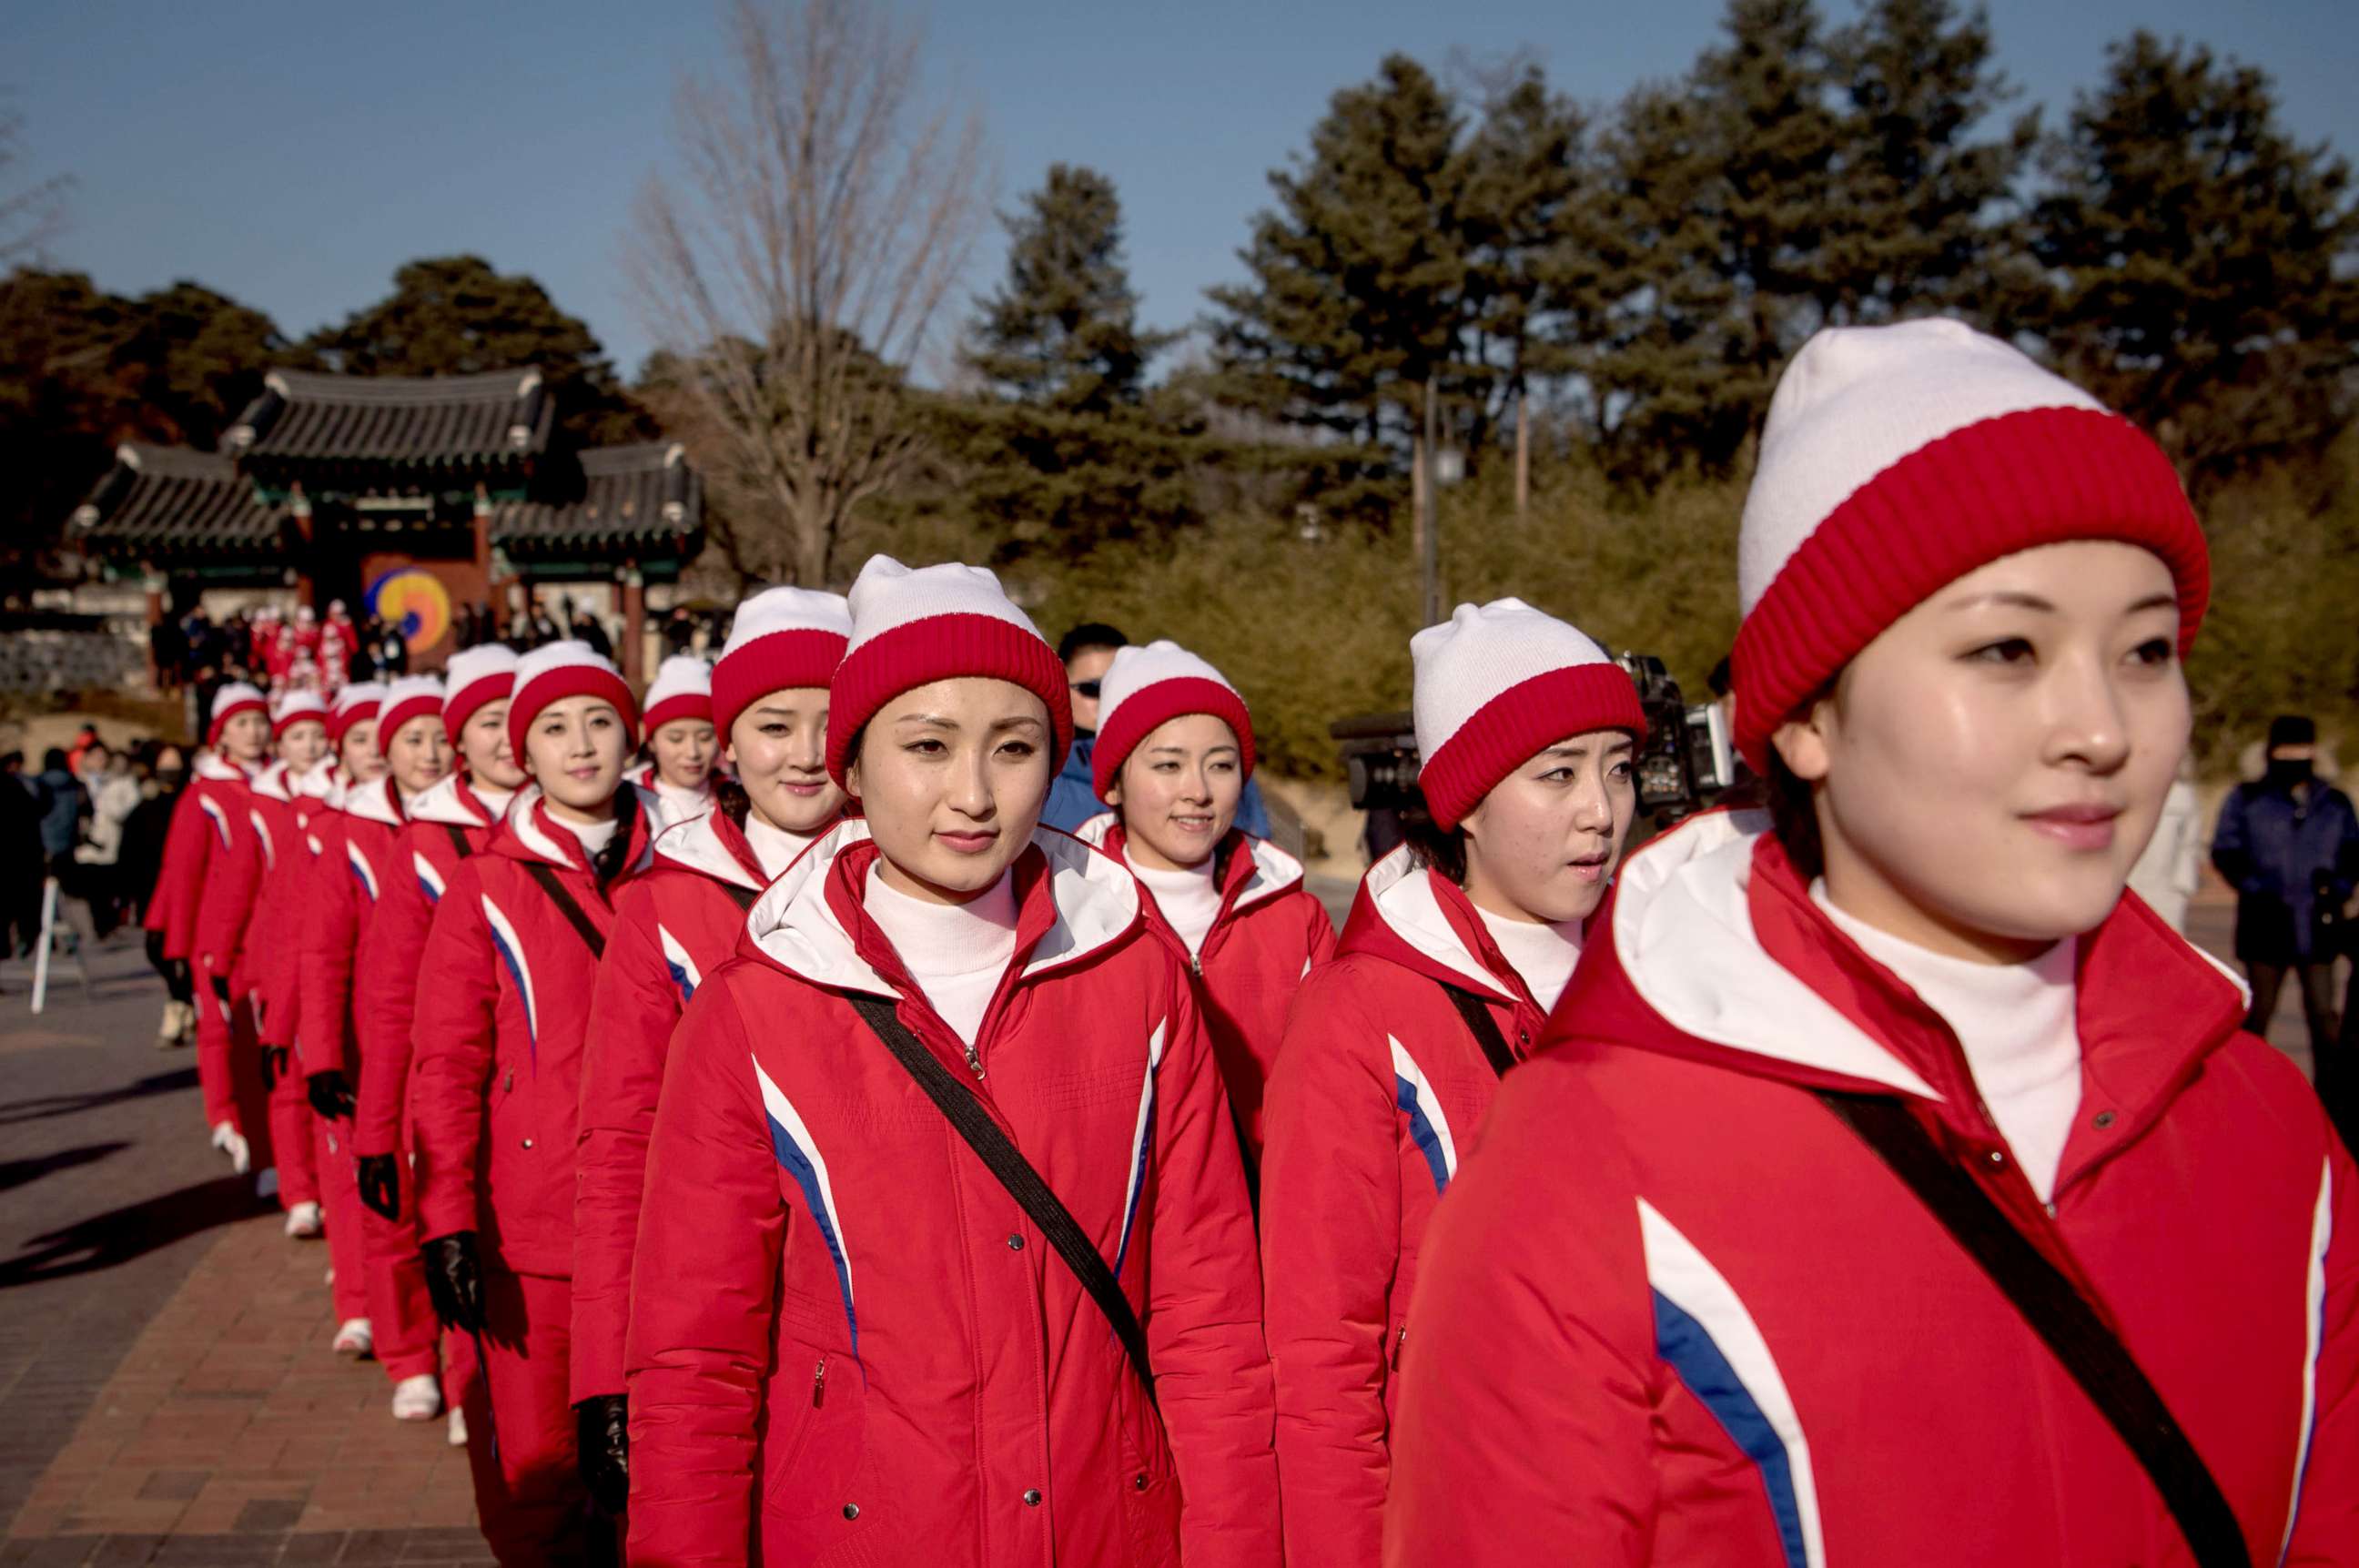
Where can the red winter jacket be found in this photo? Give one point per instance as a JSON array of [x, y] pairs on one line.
[[1676, 1312], [504, 990], [447, 823], [270, 939], [673, 927], [848, 1341], [356, 863], [235, 869], [1270, 933], [202, 821], [292, 888], [1378, 1094]]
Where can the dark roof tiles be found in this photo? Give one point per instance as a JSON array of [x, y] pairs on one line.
[[628, 493], [491, 419], [172, 498]]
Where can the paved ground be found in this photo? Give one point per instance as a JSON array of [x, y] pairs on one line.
[[167, 1394]]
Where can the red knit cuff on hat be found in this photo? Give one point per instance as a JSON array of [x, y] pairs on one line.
[[687, 705], [339, 722], [460, 705], [284, 722], [1515, 726], [944, 647], [389, 721], [1988, 490], [569, 681], [1151, 706], [223, 716], [782, 661]]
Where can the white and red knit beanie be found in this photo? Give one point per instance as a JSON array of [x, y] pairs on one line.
[[683, 689], [913, 627], [409, 697], [292, 708], [231, 699], [473, 676], [782, 638], [1145, 687], [1896, 460], [1496, 684], [555, 670], [355, 703]]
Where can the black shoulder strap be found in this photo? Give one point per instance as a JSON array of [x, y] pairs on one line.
[[2061, 1316], [1481, 1025], [457, 840], [1003, 1160], [544, 873]]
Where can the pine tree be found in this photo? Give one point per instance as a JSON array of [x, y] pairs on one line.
[[2208, 265], [1062, 331], [1358, 274]]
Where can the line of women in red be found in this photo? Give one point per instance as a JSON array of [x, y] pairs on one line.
[[817, 1161]]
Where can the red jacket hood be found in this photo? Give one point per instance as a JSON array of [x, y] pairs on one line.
[[1405, 914], [1261, 872], [1712, 948], [451, 802], [531, 835]]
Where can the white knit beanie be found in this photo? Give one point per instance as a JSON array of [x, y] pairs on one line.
[[1896, 460], [231, 699], [1143, 688], [407, 698], [911, 627], [683, 689], [1495, 685], [782, 638], [472, 677], [291, 708], [355, 703], [555, 670]]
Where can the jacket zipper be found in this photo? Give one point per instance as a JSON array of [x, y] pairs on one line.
[[1400, 1343], [973, 1063], [819, 1383]]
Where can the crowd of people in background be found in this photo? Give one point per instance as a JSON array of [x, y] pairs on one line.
[[874, 1097]]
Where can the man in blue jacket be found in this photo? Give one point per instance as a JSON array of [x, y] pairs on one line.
[[1087, 650], [2289, 845]]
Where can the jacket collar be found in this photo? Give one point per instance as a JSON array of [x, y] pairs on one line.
[[213, 765], [1071, 902], [532, 835], [375, 802], [1405, 913], [319, 784], [451, 802], [1256, 870], [271, 783], [712, 846], [1713, 932]]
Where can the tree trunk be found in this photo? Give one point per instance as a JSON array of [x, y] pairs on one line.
[[1522, 455]]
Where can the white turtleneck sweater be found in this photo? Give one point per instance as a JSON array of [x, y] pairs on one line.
[[594, 836], [956, 952], [775, 847], [1187, 899], [495, 801], [2019, 1028], [678, 804], [1543, 954]]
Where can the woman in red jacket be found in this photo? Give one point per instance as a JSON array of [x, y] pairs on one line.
[[214, 883], [504, 989], [682, 744], [443, 825], [1895, 1190], [847, 1338], [1174, 749], [676, 925], [1457, 946], [299, 728]]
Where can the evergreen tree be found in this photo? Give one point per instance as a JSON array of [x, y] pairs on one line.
[[2207, 265], [1062, 331], [1913, 230], [458, 316], [1359, 273]]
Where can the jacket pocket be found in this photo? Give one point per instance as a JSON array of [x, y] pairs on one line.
[[1151, 1491], [815, 1441]]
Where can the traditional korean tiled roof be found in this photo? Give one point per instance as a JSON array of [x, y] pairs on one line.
[[168, 500], [628, 494], [494, 418]]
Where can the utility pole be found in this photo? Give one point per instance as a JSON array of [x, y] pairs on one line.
[[1429, 550]]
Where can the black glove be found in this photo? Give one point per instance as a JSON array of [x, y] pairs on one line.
[[273, 1066], [601, 1428], [381, 1183], [454, 1280], [330, 1095]]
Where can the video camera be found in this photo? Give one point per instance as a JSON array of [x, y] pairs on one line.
[[1684, 765]]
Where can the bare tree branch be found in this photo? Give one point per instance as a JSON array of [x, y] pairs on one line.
[[32, 217], [795, 273]]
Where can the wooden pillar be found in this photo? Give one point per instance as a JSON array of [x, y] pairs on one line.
[[635, 624], [307, 563], [486, 565], [154, 584]]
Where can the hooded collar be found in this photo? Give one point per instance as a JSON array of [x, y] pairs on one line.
[[450, 803], [272, 784], [213, 765], [1405, 914], [375, 801], [532, 835], [1071, 902], [712, 845], [1713, 932], [319, 784], [1252, 870]]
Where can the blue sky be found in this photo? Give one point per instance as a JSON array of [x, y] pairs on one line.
[[293, 155]]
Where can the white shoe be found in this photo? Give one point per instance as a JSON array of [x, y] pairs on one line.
[[223, 1132], [418, 1398], [355, 1338], [457, 1431], [303, 1222]]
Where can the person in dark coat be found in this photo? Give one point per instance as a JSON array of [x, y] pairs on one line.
[[20, 856], [2289, 845]]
